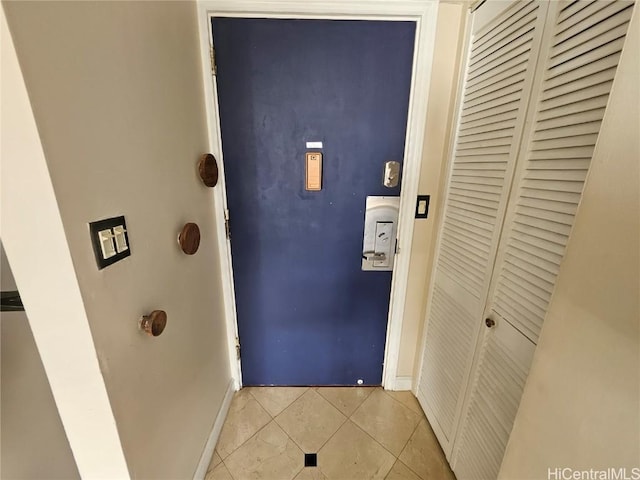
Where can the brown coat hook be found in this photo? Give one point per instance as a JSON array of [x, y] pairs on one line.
[[208, 169], [189, 238], [154, 323]]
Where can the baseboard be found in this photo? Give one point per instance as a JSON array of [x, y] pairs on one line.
[[207, 453], [402, 384]]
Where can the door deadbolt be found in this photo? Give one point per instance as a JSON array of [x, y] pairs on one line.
[[391, 174]]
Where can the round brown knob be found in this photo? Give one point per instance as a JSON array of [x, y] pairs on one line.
[[208, 170], [189, 238], [154, 323], [489, 322]]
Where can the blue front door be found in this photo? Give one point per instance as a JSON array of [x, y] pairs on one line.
[[307, 313]]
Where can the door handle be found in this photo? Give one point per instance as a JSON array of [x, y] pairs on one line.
[[374, 256], [378, 244]]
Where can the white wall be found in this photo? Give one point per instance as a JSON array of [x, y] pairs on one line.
[[581, 403], [117, 97], [442, 92], [33, 236], [34, 444]]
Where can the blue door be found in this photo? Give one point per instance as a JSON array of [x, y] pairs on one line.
[[307, 313]]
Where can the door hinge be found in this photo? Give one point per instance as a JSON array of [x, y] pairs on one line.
[[227, 227], [237, 348], [212, 55]]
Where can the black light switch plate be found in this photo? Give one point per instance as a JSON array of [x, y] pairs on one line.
[[100, 225], [424, 200]]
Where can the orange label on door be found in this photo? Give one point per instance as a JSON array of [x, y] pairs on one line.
[[313, 171]]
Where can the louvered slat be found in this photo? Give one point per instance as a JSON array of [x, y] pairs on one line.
[[486, 113], [572, 119], [580, 70], [449, 345], [509, 51], [581, 67], [577, 96], [584, 71], [571, 8], [491, 119], [484, 40], [587, 18], [519, 29], [588, 40], [568, 131], [501, 374], [490, 83]]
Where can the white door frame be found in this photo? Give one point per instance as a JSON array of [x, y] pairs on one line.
[[424, 14]]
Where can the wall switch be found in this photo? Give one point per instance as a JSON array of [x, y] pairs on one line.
[[120, 238], [422, 206], [110, 241], [107, 247]]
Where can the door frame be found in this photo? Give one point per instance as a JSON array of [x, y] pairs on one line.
[[424, 14]]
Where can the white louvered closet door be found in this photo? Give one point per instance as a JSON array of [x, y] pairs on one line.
[[583, 55], [496, 90], [580, 53]]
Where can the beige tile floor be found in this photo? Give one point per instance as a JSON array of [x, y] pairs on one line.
[[358, 433]]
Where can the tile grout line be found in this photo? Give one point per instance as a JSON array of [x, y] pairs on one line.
[[257, 431], [372, 438], [335, 406], [292, 402], [330, 437], [397, 457], [410, 436], [225, 466], [376, 441], [423, 417], [405, 446], [347, 418], [406, 406]]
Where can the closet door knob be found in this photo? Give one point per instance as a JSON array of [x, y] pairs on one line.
[[489, 322]]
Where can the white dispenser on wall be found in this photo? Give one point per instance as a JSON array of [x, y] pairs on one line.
[[380, 227]]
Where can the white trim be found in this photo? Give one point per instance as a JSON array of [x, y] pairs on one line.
[[435, 426], [416, 122], [403, 384], [36, 245], [444, 188], [219, 195], [209, 447], [424, 13]]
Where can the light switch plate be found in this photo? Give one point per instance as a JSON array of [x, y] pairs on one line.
[[110, 241], [422, 206]]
